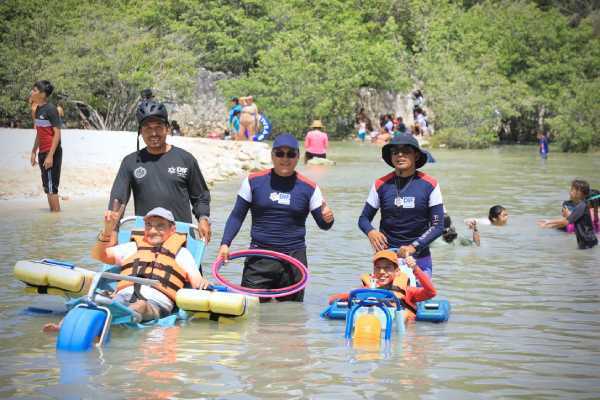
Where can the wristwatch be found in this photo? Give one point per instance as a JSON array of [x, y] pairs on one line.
[[206, 218]]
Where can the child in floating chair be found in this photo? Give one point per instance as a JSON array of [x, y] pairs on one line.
[[387, 275], [158, 254]]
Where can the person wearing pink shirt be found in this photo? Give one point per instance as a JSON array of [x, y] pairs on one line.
[[316, 142]]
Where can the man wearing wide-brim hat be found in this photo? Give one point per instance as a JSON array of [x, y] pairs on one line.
[[316, 141], [412, 210]]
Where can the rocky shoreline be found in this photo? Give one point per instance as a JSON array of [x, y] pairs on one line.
[[91, 160]]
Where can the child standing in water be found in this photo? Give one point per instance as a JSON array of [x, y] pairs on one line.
[[580, 215]]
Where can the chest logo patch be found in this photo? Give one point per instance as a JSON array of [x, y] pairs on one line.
[[139, 172], [404, 202], [180, 171], [280, 198]]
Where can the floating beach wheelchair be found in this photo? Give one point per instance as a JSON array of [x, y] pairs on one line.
[[92, 311], [369, 313]]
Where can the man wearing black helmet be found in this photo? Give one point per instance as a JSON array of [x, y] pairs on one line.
[[162, 175]]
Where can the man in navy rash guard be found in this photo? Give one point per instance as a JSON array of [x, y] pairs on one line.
[[412, 210], [279, 200]]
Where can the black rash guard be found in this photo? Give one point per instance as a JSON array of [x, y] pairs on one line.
[[171, 180], [584, 229]]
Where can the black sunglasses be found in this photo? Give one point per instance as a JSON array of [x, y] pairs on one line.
[[288, 154], [402, 149]]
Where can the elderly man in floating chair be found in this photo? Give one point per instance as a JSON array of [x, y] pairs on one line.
[[157, 254]]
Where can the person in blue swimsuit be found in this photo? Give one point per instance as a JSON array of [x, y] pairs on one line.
[[543, 144], [412, 210], [279, 200]]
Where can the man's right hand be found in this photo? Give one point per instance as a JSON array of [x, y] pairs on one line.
[[33, 158], [378, 240], [224, 252], [112, 217]]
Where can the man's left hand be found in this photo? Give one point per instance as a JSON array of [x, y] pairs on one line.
[[405, 251], [48, 162], [204, 229], [326, 213]]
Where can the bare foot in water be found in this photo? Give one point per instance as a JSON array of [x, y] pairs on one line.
[[50, 328]]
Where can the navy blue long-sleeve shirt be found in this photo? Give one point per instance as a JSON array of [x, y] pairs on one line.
[[412, 210], [279, 207]]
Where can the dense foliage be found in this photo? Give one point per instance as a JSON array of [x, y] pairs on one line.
[[490, 70]]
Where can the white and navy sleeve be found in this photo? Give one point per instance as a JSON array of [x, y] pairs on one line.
[[238, 214], [369, 210], [315, 205]]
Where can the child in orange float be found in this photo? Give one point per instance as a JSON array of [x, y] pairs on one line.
[[387, 275]]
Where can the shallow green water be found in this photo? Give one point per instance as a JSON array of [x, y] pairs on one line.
[[525, 305]]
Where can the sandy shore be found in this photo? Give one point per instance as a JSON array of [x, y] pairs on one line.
[[91, 160]]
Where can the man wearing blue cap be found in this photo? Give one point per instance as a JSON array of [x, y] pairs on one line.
[[412, 210], [279, 200]]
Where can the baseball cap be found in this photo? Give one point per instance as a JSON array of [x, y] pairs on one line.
[[387, 254], [160, 212], [285, 140]]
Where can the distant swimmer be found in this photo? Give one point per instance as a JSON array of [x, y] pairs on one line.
[[450, 235], [248, 119], [280, 200], [411, 204], [162, 175], [497, 216], [47, 149]]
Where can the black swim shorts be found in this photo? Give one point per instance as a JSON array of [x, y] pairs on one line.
[[267, 273], [309, 156], [51, 176]]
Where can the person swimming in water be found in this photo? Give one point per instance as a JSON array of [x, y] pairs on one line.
[[497, 216], [449, 234]]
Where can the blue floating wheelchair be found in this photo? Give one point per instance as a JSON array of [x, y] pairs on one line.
[[91, 312]]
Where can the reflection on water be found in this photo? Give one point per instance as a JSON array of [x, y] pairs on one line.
[[524, 317]]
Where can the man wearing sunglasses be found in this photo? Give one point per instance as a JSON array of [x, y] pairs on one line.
[[279, 200], [412, 210]]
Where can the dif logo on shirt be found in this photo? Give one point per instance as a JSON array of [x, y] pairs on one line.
[[280, 198], [404, 202]]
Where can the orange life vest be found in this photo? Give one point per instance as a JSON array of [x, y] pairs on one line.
[[156, 263], [399, 286]]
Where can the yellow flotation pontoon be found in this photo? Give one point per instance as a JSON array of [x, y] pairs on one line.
[[53, 277]]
